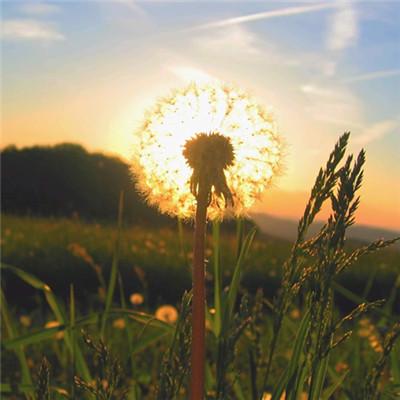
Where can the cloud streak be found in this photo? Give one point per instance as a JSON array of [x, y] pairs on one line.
[[190, 74], [333, 104], [234, 39], [39, 9], [376, 132], [29, 29], [282, 12], [373, 75], [344, 27]]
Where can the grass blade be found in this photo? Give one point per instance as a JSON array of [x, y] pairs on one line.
[[182, 242], [317, 384], [47, 333], [57, 311], [328, 392], [32, 337], [236, 278], [72, 319], [9, 325], [239, 235], [114, 267], [217, 278], [358, 300], [294, 363]]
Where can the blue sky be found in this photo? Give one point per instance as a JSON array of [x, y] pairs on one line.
[[86, 71]]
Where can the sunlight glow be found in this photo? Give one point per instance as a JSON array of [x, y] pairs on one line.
[[161, 170]]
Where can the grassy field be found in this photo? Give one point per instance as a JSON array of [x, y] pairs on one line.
[[155, 264]]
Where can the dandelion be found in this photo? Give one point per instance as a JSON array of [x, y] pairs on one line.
[[162, 171], [136, 299], [295, 313], [167, 314], [119, 323], [54, 324], [25, 321], [341, 366], [205, 152], [268, 396]]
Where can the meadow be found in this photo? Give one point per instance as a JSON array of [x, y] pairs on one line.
[[104, 312], [154, 263]]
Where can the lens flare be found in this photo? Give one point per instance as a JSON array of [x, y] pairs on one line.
[[161, 171]]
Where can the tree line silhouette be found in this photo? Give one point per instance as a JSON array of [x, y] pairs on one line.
[[66, 180]]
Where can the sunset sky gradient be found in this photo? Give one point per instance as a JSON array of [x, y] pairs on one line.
[[85, 72]]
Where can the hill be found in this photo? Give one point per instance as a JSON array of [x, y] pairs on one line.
[[287, 229]]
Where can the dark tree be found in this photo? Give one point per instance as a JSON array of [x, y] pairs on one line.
[[66, 180]]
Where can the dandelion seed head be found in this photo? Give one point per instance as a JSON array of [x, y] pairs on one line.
[[25, 320], [163, 173], [167, 313], [119, 323], [136, 299]]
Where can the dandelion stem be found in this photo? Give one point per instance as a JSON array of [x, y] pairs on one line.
[[198, 304]]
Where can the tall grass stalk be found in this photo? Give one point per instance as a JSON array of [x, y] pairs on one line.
[[128, 330], [182, 241], [175, 365], [11, 330], [370, 390], [232, 326], [114, 267], [72, 320], [313, 267], [320, 192], [217, 278]]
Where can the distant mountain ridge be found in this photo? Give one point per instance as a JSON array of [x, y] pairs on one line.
[[286, 228]]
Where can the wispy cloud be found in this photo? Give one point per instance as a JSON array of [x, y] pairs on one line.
[[343, 30], [29, 29], [126, 15], [235, 39], [373, 75], [39, 8], [131, 5], [282, 12], [376, 132], [333, 104], [190, 74], [338, 106], [342, 33]]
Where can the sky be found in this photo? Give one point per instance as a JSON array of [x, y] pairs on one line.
[[86, 71]]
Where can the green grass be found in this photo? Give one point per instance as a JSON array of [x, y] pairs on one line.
[[151, 261]]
